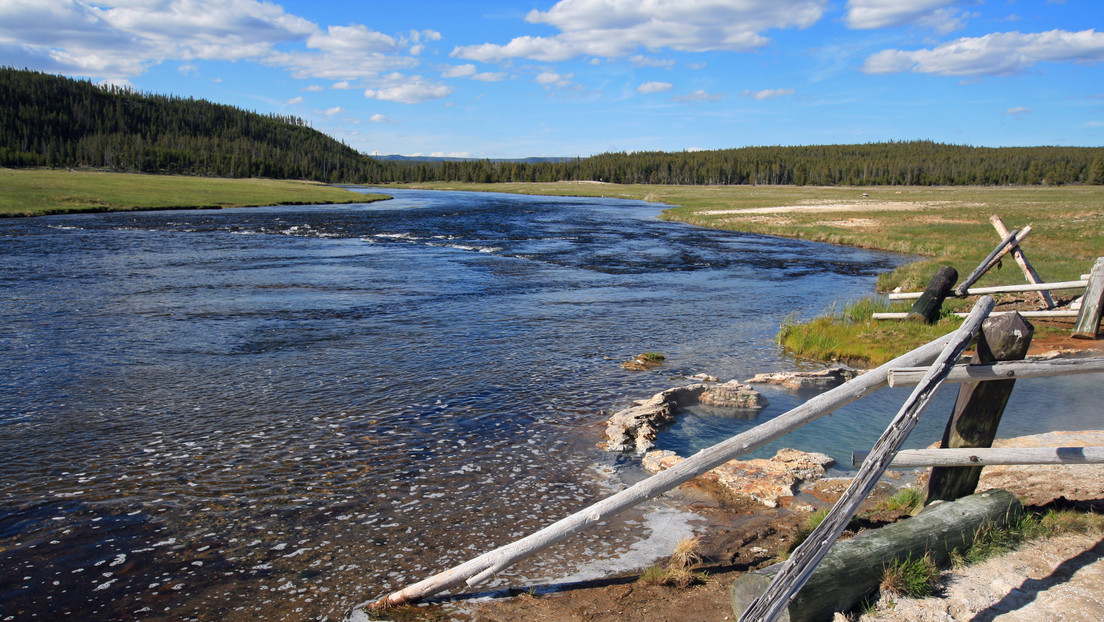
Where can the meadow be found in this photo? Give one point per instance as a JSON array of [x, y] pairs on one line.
[[40, 192]]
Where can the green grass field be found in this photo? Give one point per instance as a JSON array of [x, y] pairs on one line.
[[39, 192], [938, 225]]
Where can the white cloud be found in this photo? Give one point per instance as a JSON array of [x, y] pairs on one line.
[[646, 61], [408, 90], [459, 71], [654, 87], [294, 100], [768, 93], [941, 15], [468, 71], [615, 28], [121, 38], [1018, 111], [549, 79], [343, 85], [699, 96], [996, 54], [329, 112], [379, 118], [314, 88]]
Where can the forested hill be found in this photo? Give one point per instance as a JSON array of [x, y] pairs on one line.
[[48, 120]]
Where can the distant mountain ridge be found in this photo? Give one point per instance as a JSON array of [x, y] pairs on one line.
[[54, 121]]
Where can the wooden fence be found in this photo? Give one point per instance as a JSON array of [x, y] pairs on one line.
[[939, 358]]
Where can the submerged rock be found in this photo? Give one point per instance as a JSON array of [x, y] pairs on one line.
[[644, 362], [635, 428], [766, 481], [819, 380]]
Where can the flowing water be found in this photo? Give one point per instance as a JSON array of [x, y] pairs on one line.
[[278, 413]]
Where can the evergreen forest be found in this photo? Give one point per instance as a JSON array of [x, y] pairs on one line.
[[54, 121]]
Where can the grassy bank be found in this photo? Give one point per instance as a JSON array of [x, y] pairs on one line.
[[39, 192], [939, 225]]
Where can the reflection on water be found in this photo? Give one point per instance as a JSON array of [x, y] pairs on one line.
[[281, 412]]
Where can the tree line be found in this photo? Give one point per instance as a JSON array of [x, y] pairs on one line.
[[55, 121]]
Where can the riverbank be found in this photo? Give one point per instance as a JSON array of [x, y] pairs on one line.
[[41, 192], [1046, 575]]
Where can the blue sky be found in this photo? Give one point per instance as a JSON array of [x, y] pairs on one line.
[[490, 78]]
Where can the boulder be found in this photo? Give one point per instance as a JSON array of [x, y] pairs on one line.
[[816, 380], [635, 428], [765, 481]]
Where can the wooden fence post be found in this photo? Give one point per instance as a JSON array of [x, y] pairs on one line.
[[977, 413], [1088, 321], [1021, 259], [930, 303]]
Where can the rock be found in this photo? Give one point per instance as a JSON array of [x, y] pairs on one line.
[[644, 362], [703, 378], [635, 428], [765, 481], [732, 394], [819, 380]]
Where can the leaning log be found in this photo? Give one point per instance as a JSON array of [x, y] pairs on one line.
[[928, 307], [853, 569], [1088, 320], [986, 263], [980, 405]]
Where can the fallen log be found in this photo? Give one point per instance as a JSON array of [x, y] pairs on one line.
[[853, 569]]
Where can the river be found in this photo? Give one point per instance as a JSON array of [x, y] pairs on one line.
[[281, 412]]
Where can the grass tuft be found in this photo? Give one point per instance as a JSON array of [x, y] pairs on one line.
[[911, 578], [679, 570]]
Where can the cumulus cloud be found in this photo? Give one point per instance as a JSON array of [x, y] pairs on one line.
[[294, 100], [996, 54], [379, 118], [329, 112], [615, 28], [549, 79], [117, 39], [654, 87], [1018, 111], [408, 90], [468, 71], [941, 15], [768, 93], [645, 61], [699, 96]]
